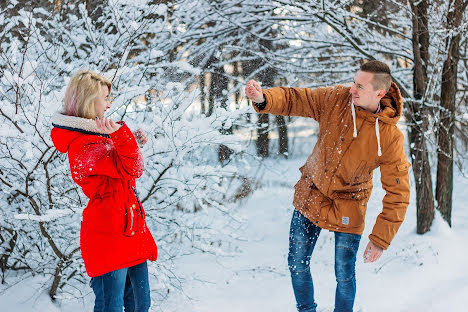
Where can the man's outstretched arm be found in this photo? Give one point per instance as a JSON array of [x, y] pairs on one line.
[[303, 102]]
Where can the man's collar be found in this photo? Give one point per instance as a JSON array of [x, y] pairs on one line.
[[379, 109]]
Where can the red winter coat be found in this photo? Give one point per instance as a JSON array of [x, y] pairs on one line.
[[114, 234]]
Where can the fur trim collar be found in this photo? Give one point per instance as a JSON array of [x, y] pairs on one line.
[[75, 123]]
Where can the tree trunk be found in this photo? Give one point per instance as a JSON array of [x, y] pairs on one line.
[[283, 136], [217, 96], [422, 178], [263, 142], [202, 93], [417, 116], [94, 8], [444, 187]]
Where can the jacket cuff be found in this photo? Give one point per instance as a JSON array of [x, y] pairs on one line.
[[260, 106], [379, 242]]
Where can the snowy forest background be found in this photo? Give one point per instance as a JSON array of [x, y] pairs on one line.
[[178, 70]]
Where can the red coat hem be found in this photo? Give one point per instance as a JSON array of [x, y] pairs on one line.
[[121, 266]]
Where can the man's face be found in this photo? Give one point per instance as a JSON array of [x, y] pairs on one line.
[[363, 92]]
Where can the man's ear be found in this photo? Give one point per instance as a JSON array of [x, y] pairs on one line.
[[381, 93]]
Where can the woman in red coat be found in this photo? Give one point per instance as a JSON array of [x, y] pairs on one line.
[[104, 161]]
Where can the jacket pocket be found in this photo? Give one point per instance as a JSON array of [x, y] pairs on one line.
[[403, 167], [347, 213], [361, 174], [362, 192], [354, 173], [132, 220], [140, 206]]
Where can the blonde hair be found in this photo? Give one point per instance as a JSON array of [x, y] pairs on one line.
[[82, 91]]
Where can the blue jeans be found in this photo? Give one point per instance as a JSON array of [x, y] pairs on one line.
[[302, 238], [127, 287]]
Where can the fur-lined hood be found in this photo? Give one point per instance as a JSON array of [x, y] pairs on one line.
[[74, 127]]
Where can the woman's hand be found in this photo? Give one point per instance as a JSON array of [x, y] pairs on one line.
[[107, 125], [140, 137]]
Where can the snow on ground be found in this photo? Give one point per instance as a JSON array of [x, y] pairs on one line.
[[418, 273]]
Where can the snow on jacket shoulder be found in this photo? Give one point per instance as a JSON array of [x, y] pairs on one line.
[[114, 234], [336, 180]]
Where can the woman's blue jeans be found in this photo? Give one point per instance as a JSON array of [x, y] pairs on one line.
[[302, 238], [127, 287]]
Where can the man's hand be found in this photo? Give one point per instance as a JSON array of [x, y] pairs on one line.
[[372, 252], [254, 92], [140, 137], [107, 125]]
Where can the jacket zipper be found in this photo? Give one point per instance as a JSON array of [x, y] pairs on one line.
[[138, 201]]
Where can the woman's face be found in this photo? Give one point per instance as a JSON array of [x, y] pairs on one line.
[[102, 103]]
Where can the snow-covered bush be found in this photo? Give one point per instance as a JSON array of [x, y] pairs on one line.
[[185, 189]]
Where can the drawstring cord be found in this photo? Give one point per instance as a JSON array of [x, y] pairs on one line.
[[353, 112], [377, 133]]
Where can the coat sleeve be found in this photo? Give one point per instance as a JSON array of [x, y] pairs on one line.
[[129, 155], [120, 159], [303, 102], [394, 168]]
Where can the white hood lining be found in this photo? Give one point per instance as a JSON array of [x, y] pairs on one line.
[[75, 122]]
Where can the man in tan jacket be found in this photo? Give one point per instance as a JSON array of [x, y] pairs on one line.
[[357, 133]]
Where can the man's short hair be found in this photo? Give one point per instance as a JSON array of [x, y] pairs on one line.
[[382, 77]]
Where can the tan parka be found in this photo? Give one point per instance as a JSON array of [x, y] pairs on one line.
[[336, 179]]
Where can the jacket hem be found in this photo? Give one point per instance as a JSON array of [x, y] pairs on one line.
[[333, 228], [118, 267]]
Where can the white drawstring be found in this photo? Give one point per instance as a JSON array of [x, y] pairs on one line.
[[377, 133], [354, 119]]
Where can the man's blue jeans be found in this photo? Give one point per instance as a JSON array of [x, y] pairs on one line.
[[127, 287], [302, 238]]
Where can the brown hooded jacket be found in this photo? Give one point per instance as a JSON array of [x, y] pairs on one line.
[[336, 179]]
